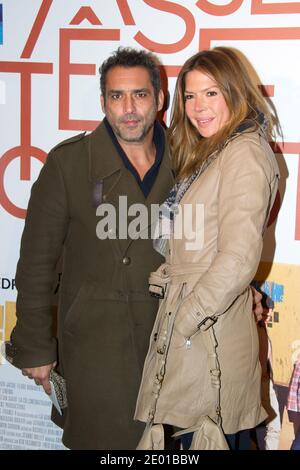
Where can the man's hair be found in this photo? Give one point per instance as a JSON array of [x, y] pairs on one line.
[[129, 57]]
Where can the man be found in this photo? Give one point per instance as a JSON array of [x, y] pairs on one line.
[[105, 314]]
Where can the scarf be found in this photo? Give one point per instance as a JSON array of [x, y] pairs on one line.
[[164, 228]]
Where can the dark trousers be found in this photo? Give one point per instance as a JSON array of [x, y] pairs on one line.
[[238, 441], [294, 417], [296, 441]]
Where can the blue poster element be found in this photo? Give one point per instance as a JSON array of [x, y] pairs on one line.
[[1, 25], [271, 289]]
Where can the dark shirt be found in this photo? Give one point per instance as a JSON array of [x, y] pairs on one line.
[[159, 141]]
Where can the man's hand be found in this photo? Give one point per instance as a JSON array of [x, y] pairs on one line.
[[40, 375], [257, 305]]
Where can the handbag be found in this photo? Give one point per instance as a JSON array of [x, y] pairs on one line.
[[152, 438], [209, 436], [208, 433]]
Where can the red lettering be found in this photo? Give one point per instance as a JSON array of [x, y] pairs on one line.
[[167, 71], [86, 13], [125, 12], [177, 10], [252, 34], [25, 151], [292, 148], [267, 90], [260, 8], [172, 70], [66, 69], [36, 29], [219, 10]]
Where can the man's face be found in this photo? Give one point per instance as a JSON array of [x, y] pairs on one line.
[[130, 106]]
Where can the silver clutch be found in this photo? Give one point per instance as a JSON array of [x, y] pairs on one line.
[[59, 384]]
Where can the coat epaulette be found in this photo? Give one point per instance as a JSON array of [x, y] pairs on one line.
[[75, 138]]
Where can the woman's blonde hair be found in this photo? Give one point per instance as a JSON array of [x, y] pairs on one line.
[[239, 85]]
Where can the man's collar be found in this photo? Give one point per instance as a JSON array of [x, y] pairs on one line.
[[104, 159]]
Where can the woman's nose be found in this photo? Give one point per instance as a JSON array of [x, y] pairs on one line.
[[200, 104]]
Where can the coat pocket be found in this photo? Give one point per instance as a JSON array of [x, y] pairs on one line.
[[90, 301], [74, 309], [186, 322]]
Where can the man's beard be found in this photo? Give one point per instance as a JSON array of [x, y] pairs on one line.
[[135, 134]]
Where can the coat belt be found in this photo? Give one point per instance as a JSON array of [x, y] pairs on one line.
[[159, 279]]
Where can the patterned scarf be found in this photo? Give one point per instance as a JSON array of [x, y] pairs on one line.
[[164, 228]]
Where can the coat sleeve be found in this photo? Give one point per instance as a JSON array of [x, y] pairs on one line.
[[46, 224], [248, 184]]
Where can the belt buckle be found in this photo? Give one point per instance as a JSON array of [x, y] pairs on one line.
[[158, 292], [206, 323]]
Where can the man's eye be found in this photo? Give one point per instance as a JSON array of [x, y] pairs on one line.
[[116, 96], [141, 95]]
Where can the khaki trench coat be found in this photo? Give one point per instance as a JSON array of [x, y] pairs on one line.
[[211, 278], [105, 313]]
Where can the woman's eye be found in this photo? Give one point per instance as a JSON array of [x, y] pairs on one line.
[[212, 93], [188, 97]]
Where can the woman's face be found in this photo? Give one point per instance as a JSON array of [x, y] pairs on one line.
[[205, 105]]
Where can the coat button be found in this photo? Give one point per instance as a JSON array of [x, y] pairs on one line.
[[126, 260]]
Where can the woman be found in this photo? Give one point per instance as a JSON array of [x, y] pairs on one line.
[[203, 355]]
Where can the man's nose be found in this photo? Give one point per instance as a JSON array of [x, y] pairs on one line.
[[129, 105]]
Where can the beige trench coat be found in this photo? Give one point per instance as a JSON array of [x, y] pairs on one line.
[[211, 278]]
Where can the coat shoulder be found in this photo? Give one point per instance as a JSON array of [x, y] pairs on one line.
[[247, 137], [71, 140], [251, 148], [68, 151], [255, 141]]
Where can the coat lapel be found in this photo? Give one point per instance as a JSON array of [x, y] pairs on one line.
[[111, 179]]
